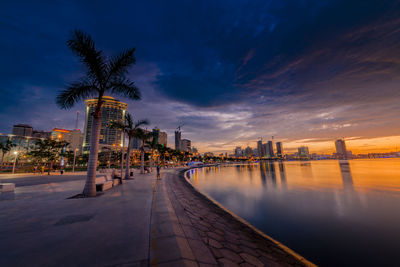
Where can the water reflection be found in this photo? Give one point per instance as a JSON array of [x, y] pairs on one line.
[[346, 175], [282, 174], [333, 213]]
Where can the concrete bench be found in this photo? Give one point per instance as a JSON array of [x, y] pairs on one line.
[[102, 184], [7, 187]]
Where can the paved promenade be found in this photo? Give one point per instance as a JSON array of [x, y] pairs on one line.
[[143, 222]]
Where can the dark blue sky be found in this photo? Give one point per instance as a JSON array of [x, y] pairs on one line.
[[232, 71]]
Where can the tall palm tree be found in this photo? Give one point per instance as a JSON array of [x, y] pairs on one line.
[[103, 76], [152, 144], [5, 148], [130, 128], [144, 136]]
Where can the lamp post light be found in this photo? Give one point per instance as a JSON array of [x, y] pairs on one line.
[[15, 161]]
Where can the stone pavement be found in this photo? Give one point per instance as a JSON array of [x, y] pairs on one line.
[[39, 226]]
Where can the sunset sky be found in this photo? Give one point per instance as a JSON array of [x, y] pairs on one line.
[[305, 72]]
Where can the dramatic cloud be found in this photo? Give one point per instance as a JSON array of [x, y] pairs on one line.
[[305, 72]]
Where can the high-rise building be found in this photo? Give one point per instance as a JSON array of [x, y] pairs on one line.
[[238, 151], [260, 149], [112, 110], [265, 150], [271, 149], [161, 137], [73, 137], [185, 145], [177, 140], [22, 130], [279, 149], [341, 150], [303, 152]]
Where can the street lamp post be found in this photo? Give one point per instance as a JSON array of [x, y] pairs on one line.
[[15, 161], [122, 153]]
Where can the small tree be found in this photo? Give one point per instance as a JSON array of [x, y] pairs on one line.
[[5, 148], [144, 136], [129, 127]]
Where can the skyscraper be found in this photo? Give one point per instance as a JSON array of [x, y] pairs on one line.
[[271, 149], [265, 150], [279, 149], [260, 149], [341, 150], [177, 140], [112, 110]]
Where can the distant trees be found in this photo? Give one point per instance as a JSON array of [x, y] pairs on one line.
[[103, 76], [46, 151]]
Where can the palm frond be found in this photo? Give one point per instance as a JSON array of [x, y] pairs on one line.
[[118, 66], [141, 123], [83, 46], [116, 125], [75, 92], [126, 88]]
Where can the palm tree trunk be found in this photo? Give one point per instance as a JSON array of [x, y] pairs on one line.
[[142, 161], [151, 161], [128, 159], [90, 185]]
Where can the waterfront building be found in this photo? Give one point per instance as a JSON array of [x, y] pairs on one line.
[[265, 150], [112, 110], [22, 130], [341, 150], [185, 145], [271, 149], [303, 152], [177, 140], [74, 138], [279, 149], [260, 149]]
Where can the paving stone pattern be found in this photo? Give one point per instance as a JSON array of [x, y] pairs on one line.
[[217, 238]]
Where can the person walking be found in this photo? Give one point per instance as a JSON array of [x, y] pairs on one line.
[[158, 172]]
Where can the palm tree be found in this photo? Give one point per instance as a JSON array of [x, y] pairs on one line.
[[5, 148], [143, 135], [103, 76], [130, 128], [152, 144]]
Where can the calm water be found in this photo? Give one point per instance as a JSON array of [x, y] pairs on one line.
[[333, 214]]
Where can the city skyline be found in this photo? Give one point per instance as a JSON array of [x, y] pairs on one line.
[[308, 80]]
